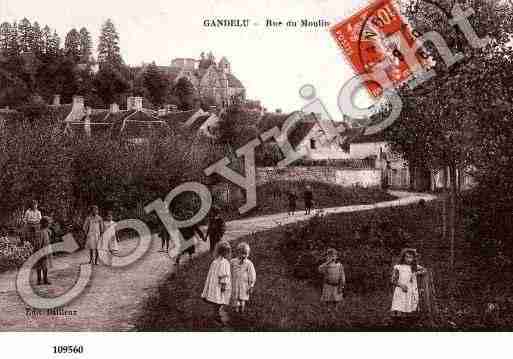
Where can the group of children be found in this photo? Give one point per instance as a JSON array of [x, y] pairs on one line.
[[94, 228], [307, 197], [229, 281], [405, 299], [232, 281]]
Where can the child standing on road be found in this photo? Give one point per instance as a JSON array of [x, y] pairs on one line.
[[334, 279], [42, 241], [217, 288], [111, 244], [93, 228], [406, 293], [243, 277], [291, 196]]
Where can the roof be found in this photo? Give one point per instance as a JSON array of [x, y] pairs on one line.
[[131, 124], [298, 133], [377, 137], [181, 117], [233, 81]]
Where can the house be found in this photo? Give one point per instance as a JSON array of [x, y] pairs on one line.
[[134, 125], [211, 79]]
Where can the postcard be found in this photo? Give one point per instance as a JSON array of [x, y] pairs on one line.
[[264, 166]]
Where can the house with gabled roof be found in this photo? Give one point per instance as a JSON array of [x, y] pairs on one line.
[[210, 78], [135, 124]]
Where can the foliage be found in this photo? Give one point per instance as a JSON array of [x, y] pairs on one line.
[[86, 45], [184, 90], [108, 46], [72, 44], [156, 83], [110, 82], [69, 174], [13, 253]]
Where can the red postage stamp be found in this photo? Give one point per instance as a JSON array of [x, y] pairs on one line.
[[372, 38]]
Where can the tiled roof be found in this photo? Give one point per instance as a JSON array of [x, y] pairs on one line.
[[181, 117], [299, 132], [234, 81]]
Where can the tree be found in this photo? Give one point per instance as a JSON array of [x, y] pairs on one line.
[[5, 33], [108, 46], [72, 44], [86, 45], [184, 90], [13, 43], [54, 44], [441, 121], [46, 37], [37, 39], [156, 83], [109, 83], [25, 36]]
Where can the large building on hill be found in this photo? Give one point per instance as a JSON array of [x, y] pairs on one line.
[[210, 78]]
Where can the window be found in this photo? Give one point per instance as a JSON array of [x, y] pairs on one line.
[[313, 144]]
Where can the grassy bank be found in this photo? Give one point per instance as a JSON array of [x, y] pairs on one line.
[[272, 197], [288, 288]]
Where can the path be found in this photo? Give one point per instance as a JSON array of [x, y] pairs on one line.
[[114, 297]]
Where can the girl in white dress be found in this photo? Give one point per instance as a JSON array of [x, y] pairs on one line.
[[111, 244], [217, 290], [243, 277], [334, 279], [93, 228], [406, 292]]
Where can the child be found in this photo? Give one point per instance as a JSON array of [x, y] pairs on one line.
[[216, 228], [292, 202], [4, 237], [31, 219], [334, 279], [93, 228], [406, 293], [217, 288], [308, 198], [112, 242], [42, 240], [243, 277]]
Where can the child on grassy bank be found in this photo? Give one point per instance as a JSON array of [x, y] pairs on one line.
[[217, 290], [243, 277], [405, 300], [334, 279]]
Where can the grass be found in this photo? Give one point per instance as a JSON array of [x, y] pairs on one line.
[[272, 197], [286, 300]]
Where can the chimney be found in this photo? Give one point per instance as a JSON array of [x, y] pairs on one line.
[[114, 108], [138, 103], [130, 103], [162, 112], [56, 100], [78, 103]]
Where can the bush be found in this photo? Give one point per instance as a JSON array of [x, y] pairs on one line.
[[368, 244], [13, 253]]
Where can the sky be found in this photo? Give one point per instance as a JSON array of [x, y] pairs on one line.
[[272, 63]]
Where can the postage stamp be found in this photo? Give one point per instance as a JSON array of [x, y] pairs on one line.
[[373, 38]]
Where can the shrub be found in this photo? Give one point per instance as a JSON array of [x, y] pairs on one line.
[[13, 253], [368, 242]]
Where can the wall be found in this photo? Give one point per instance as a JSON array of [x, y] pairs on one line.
[[363, 150], [323, 151], [341, 176]]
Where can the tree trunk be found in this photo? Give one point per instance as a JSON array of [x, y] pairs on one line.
[[452, 216]]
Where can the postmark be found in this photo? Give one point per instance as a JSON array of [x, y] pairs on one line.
[[373, 40]]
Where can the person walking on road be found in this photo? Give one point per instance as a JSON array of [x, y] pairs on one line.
[[308, 197], [93, 228], [216, 228]]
